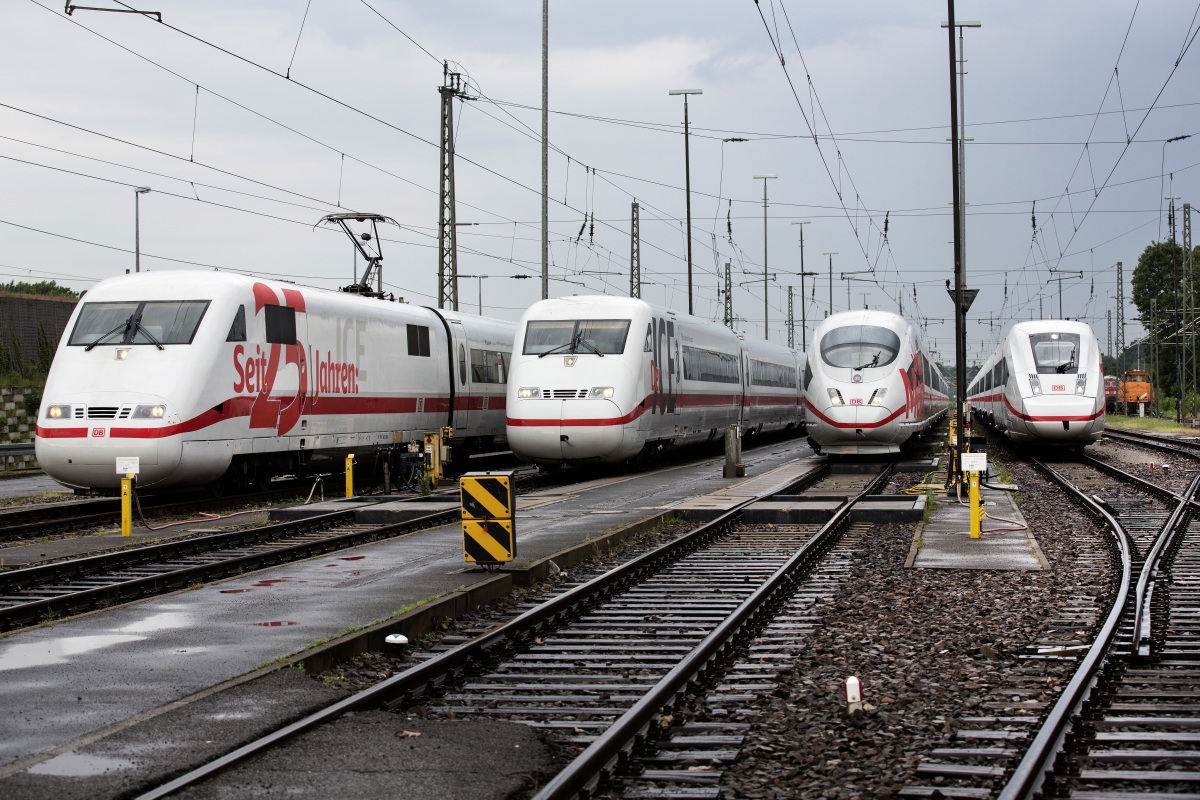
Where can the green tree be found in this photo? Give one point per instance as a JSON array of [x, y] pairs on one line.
[[18, 357], [1157, 280], [45, 348], [41, 287]]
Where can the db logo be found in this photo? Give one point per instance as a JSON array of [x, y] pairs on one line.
[[1058, 387], [856, 401], [98, 432]]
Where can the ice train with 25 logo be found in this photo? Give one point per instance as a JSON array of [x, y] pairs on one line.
[[1044, 384], [211, 377], [869, 386]]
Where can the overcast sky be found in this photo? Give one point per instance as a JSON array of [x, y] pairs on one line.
[[242, 161]]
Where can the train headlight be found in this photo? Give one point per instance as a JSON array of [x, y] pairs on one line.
[[58, 412], [877, 397], [123, 354], [856, 377], [835, 397], [601, 391], [149, 412], [529, 391], [1035, 384], [1081, 383]]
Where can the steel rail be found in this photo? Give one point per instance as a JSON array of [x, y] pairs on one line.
[[586, 770], [434, 671], [120, 591], [1186, 448], [1038, 761]]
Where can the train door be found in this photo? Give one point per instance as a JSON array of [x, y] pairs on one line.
[[460, 366]]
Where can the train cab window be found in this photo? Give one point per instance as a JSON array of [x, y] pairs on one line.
[[133, 322], [418, 340], [281, 324], [859, 346], [599, 336], [1055, 353], [237, 331]]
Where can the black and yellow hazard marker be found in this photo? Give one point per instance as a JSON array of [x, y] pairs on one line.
[[487, 495], [489, 504], [488, 541]]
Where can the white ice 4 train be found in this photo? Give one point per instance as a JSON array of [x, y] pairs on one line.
[[1044, 383], [604, 379], [208, 376], [869, 387]]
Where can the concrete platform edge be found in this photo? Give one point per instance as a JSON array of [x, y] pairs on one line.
[[412, 623]]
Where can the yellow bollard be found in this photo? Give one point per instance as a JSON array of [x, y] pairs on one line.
[[976, 506], [350, 475], [127, 505]]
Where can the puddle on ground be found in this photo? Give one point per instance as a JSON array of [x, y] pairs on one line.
[[159, 622], [351, 558], [268, 582], [57, 651], [272, 624], [77, 765]]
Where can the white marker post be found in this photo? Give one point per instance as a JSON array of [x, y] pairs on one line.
[[854, 701]]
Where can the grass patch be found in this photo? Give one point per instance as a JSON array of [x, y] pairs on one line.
[[1153, 424]]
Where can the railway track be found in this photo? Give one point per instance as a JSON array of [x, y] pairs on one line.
[[611, 664], [70, 516], [1105, 736], [61, 588], [1189, 447]]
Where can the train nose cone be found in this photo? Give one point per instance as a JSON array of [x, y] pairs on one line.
[[90, 462], [553, 431]]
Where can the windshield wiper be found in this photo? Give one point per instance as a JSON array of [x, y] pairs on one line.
[[1066, 365], [571, 344], [139, 326], [873, 362], [124, 326], [588, 345]]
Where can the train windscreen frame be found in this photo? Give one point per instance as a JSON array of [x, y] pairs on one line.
[[860, 346]]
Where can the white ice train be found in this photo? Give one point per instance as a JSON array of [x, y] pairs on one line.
[[208, 376], [604, 379], [1044, 383], [869, 387]]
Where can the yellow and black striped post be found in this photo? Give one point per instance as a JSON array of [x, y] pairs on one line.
[[489, 521]]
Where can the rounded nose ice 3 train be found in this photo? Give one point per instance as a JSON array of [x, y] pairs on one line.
[[869, 387], [207, 376], [604, 379], [1044, 384]]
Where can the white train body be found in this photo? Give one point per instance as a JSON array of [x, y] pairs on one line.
[[869, 387], [1044, 383], [600, 379], [262, 376]]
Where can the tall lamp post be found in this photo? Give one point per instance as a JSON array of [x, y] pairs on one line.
[[137, 233], [803, 320], [831, 255], [764, 179], [687, 182]]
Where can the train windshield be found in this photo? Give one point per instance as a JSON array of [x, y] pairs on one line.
[[859, 346], [153, 323], [599, 336], [1055, 353]]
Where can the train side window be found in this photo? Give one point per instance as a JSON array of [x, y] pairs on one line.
[[649, 338], [462, 365], [504, 357], [237, 331], [418, 340], [281, 324]]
